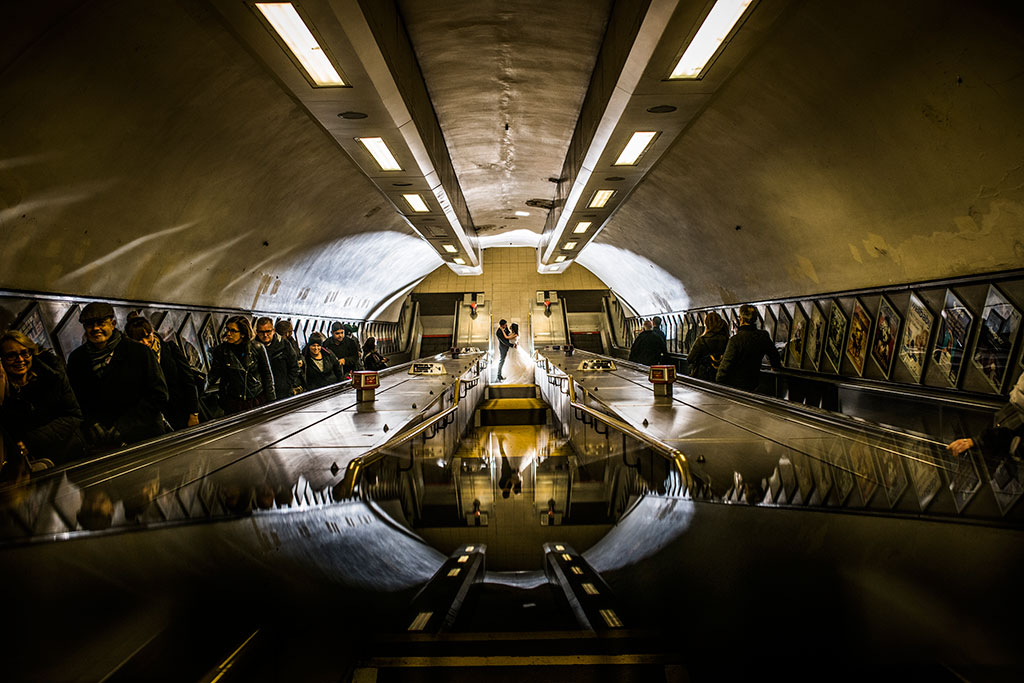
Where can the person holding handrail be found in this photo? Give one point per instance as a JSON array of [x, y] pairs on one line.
[[1002, 441]]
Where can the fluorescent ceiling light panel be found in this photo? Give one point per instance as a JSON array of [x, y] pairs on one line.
[[299, 39], [559, 259], [378, 149], [635, 148], [460, 261], [416, 202], [522, 213], [712, 33], [600, 198], [569, 245], [450, 249], [581, 227]]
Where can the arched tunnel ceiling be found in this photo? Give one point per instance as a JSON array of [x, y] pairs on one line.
[[147, 153]]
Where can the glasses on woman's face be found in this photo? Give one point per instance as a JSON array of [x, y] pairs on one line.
[[12, 356], [231, 331]]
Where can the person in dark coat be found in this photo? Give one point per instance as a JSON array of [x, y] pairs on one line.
[[344, 347], [1003, 442], [321, 366], [741, 363], [119, 385], [649, 347], [242, 367], [182, 384], [287, 332], [502, 335], [284, 363], [372, 360], [38, 409], [706, 354]]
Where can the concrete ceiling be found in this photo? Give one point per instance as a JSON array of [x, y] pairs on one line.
[[154, 151]]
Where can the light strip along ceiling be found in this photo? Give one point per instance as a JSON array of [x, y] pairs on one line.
[[387, 127], [648, 108]]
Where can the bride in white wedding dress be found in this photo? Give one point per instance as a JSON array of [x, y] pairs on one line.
[[519, 368]]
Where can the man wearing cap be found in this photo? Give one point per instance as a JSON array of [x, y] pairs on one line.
[[119, 385], [344, 347]]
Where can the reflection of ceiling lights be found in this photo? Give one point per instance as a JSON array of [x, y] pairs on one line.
[[450, 249], [522, 213], [636, 146], [559, 259], [569, 245], [378, 149], [460, 261], [581, 227], [712, 33], [300, 41], [416, 202], [600, 198]]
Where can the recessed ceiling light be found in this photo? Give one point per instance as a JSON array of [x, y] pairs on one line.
[[522, 213], [600, 198], [559, 259], [416, 202], [359, 115], [449, 248], [634, 149], [581, 227], [460, 261], [661, 109], [401, 184], [378, 149], [569, 245], [712, 33], [300, 41]]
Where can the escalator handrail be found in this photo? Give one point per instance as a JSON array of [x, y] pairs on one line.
[[353, 473], [673, 455]]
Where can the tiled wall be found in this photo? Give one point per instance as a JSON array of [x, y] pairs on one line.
[[510, 282]]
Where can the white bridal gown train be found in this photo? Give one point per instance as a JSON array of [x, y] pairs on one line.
[[519, 368]]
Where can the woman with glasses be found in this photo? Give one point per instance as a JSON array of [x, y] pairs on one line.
[[242, 367], [38, 409], [321, 366]]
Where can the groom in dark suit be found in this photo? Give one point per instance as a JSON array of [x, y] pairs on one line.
[[503, 344]]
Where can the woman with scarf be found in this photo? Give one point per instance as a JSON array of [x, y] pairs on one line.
[[242, 367], [321, 366], [38, 409], [183, 407]]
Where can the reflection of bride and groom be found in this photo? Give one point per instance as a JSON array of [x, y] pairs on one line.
[[515, 361]]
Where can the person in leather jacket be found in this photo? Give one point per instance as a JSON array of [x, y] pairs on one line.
[[242, 367]]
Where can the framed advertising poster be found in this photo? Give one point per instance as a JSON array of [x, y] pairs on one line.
[[208, 340], [768, 321], [734, 321], [951, 341], [1000, 321], [883, 343], [31, 324], [797, 335], [860, 336], [69, 332], [842, 470], [190, 345], [835, 336], [916, 335], [815, 334], [782, 325]]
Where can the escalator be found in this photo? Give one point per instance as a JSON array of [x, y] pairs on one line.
[[297, 542]]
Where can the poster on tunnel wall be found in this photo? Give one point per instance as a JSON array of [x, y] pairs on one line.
[[815, 335], [797, 336], [1000, 321], [860, 336], [883, 343], [916, 335], [836, 336], [951, 341]]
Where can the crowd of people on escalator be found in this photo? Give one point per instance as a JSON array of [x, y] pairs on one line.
[[715, 356], [126, 384]]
